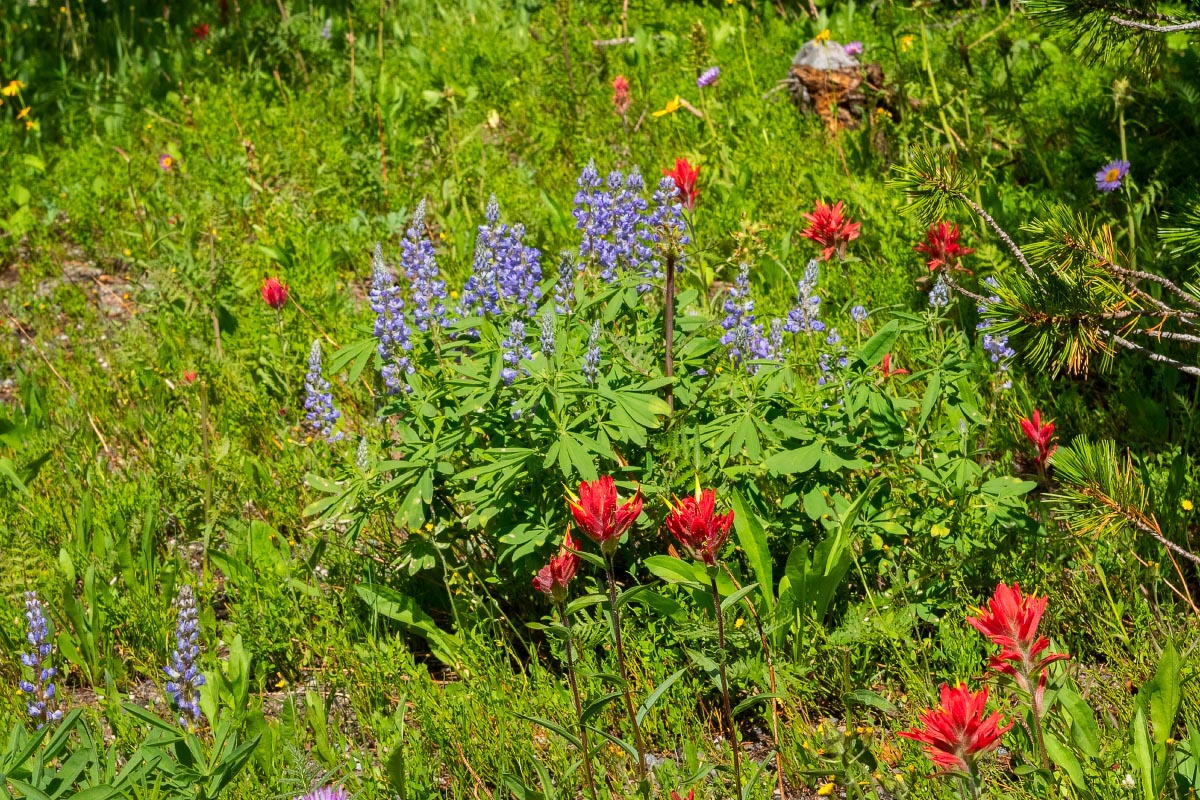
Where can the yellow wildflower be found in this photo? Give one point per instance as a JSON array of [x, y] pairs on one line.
[[128, 252], [32, 125], [1186, 505], [12, 88], [905, 43], [673, 105], [739, 623], [822, 37], [939, 530], [825, 790], [23, 113]]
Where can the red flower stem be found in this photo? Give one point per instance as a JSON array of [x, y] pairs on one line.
[[730, 732], [669, 329], [622, 672], [583, 737], [1035, 707]]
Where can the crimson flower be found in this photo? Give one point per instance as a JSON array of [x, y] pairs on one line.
[[553, 578], [189, 376], [886, 368], [200, 32], [1011, 621], [685, 176], [956, 733], [274, 293], [829, 227], [695, 524], [942, 248], [621, 97], [1040, 435], [598, 514], [691, 795]]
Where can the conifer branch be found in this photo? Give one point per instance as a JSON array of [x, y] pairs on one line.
[[1142, 26]]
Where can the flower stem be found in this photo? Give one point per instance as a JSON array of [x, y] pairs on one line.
[[1128, 192], [1035, 706], [669, 328], [583, 737], [621, 671], [730, 732]]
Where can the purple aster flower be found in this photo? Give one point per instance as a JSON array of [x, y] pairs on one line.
[[853, 48], [591, 359], [419, 263], [321, 415], [184, 675], [166, 162], [391, 327], [41, 690], [515, 349], [1108, 179], [327, 793], [708, 77]]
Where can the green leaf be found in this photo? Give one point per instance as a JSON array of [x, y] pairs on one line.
[[1141, 757], [752, 537], [794, 462], [403, 609], [736, 597], [658, 692], [881, 343], [1084, 732], [929, 399], [865, 697], [550, 725], [1062, 755]]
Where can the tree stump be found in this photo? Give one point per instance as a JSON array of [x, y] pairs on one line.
[[826, 79]]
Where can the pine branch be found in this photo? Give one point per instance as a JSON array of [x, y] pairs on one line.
[[1153, 356], [1142, 26]]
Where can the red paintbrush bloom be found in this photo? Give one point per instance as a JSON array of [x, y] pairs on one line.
[[828, 227], [691, 795], [942, 248], [621, 97], [1040, 435], [200, 32], [553, 578], [956, 733], [684, 176], [274, 293], [1011, 622], [695, 524], [599, 516], [189, 376], [886, 368]]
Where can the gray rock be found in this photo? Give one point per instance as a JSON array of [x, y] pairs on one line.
[[825, 56]]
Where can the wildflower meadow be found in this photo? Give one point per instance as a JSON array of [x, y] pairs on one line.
[[606, 400]]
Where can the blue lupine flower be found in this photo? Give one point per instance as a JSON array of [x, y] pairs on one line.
[[515, 349], [327, 793], [362, 456], [419, 262], [708, 77], [505, 273], [858, 314], [391, 327], [591, 360], [327, 31], [836, 349], [805, 314], [547, 337], [939, 295], [995, 345], [183, 673], [743, 336], [321, 415], [41, 689], [564, 287]]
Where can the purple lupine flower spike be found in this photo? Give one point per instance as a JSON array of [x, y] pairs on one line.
[[805, 314], [183, 673], [419, 262], [547, 337], [391, 326], [321, 414], [743, 336], [591, 359], [515, 350], [41, 690], [708, 77]]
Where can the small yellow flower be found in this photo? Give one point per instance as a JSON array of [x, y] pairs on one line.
[[882, 113], [23, 113], [1186, 505], [32, 125], [429, 527], [939, 530], [128, 252], [739, 623], [822, 37], [453, 294], [825, 790], [905, 43], [12, 88], [673, 105]]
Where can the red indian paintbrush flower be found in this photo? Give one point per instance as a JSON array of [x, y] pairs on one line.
[[942, 248], [200, 32], [1040, 435], [274, 293], [691, 795], [598, 514], [621, 97], [829, 227], [1011, 622], [685, 176], [956, 733], [189, 376], [695, 524], [553, 578], [887, 370]]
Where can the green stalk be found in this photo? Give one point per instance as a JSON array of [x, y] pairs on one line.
[[730, 731], [583, 737], [1128, 191], [621, 671]]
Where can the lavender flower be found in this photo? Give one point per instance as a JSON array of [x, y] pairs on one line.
[[515, 349], [564, 287], [591, 360], [939, 295], [327, 793], [548, 333], [708, 77], [995, 345], [321, 415], [853, 48], [804, 316], [419, 262], [858, 314], [391, 327], [41, 690], [505, 273], [184, 676], [743, 336], [1109, 178], [835, 354]]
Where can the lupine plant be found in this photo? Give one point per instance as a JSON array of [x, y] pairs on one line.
[[41, 691], [184, 678]]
